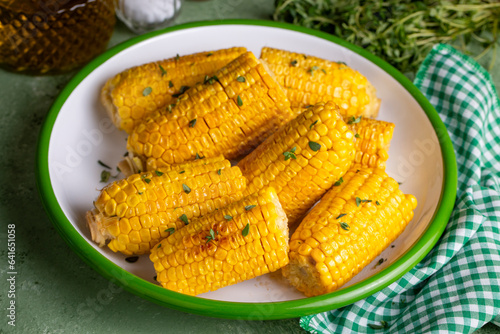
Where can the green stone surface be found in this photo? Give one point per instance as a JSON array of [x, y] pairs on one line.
[[56, 292]]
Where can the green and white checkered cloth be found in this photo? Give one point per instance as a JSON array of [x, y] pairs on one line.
[[456, 287]]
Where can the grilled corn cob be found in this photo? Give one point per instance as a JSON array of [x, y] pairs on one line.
[[303, 159], [351, 225], [309, 80], [134, 213], [373, 138], [230, 114], [236, 243], [135, 93]]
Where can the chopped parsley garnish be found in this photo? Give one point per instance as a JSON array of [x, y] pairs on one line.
[[219, 171], [184, 218], [147, 91], [103, 164], [186, 189], [147, 180], [345, 226], [209, 54], [182, 172], [358, 201], [323, 70], [126, 154], [170, 230], [294, 62], [159, 246], [312, 69], [314, 146], [177, 57], [313, 124], [246, 230], [170, 84], [239, 101], [290, 154], [240, 79], [228, 217], [181, 91], [163, 71], [197, 157], [357, 135], [170, 106], [341, 215], [140, 193], [210, 80], [157, 172], [354, 120], [192, 123], [377, 202], [250, 207], [211, 236], [339, 182], [105, 175]]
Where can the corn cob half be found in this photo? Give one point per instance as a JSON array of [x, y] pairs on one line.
[[373, 138], [230, 113], [309, 80], [351, 225], [241, 241], [136, 212], [303, 159], [135, 93]]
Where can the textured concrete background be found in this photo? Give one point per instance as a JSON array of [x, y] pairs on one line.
[[56, 291]]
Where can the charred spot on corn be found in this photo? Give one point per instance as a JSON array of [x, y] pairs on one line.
[[245, 230], [249, 207], [186, 189], [240, 79], [147, 91], [157, 172], [345, 226], [163, 71], [132, 259], [192, 123], [314, 146], [239, 101], [184, 218]]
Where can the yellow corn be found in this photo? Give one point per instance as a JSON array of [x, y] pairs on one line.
[[135, 93], [303, 159], [230, 114], [351, 225], [372, 141], [236, 243], [309, 80], [136, 212]]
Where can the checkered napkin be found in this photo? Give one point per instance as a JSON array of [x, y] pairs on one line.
[[456, 287]]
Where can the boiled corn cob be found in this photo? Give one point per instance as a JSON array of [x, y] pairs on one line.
[[309, 80], [136, 212], [351, 225], [236, 243], [230, 113], [135, 93], [373, 138], [303, 159]]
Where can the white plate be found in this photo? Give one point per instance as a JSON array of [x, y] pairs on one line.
[[82, 134]]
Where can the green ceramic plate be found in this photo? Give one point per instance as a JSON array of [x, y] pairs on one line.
[[77, 133]]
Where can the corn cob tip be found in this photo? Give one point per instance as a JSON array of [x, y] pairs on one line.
[[94, 223], [131, 165]]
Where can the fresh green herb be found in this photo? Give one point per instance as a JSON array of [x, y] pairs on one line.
[[132, 259], [177, 57], [290, 154], [339, 182], [197, 157], [184, 218], [400, 32], [192, 123], [170, 84], [342, 63], [182, 172], [147, 91], [159, 245], [309, 106], [105, 175], [246, 230], [118, 170], [313, 124], [323, 70], [228, 217], [211, 236], [312, 69], [250, 207], [353, 120], [357, 135], [341, 215], [170, 230], [239, 101], [240, 79], [147, 180], [219, 171], [209, 54], [358, 201], [377, 202], [163, 72], [345, 226], [294, 63], [366, 200], [170, 107], [186, 189], [314, 146], [103, 164], [157, 172], [210, 80], [181, 91], [125, 154]]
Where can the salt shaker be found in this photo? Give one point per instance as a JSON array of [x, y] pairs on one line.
[[146, 15]]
